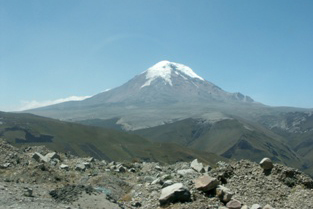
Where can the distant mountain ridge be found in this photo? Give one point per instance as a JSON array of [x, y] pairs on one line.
[[229, 137], [102, 143]]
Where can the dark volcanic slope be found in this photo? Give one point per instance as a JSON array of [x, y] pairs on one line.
[[27, 129]]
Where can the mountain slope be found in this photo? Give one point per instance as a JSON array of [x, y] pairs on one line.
[[27, 129], [229, 137], [297, 129]]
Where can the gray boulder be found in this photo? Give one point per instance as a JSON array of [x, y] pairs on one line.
[[149, 179], [174, 193], [266, 164], [233, 204], [205, 183]]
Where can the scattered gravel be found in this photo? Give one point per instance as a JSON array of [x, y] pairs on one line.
[[29, 183]]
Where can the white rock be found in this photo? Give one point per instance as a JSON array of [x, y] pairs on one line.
[[39, 157], [256, 206], [65, 167], [156, 181], [184, 172], [80, 167], [51, 156], [158, 168], [133, 170], [197, 166]]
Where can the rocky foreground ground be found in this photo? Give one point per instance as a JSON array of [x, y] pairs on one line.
[[35, 177]]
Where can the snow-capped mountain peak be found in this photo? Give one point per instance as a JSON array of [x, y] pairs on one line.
[[164, 69]]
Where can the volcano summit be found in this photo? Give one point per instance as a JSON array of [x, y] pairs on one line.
[[165, 92]]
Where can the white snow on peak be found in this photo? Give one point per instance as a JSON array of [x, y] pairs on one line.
[[164, 70], [161, 69]]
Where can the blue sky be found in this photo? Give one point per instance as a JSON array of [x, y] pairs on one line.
[[55, 49]]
